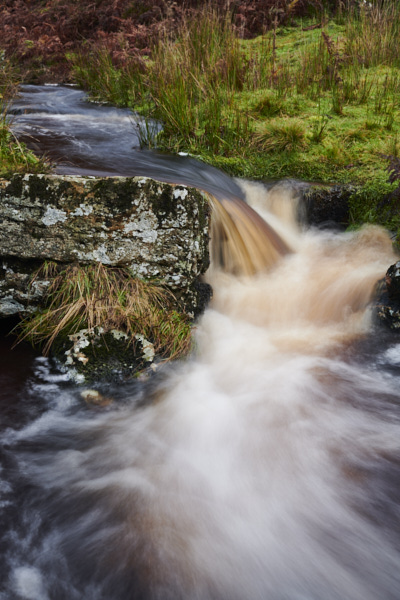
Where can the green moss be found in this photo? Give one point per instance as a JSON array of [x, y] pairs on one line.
[[375, 202]]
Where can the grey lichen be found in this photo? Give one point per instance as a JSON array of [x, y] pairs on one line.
[[156, 229], [53, 216]]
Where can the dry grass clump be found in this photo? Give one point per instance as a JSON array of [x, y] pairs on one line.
[[100, 298]]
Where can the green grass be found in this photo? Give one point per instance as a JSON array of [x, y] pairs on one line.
[[311, 103], [281, 135], [121, 86], [14, 156]]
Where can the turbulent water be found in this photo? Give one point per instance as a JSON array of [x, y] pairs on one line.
[[266, 467]]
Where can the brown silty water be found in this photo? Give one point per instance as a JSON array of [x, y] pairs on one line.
[[290, 278]]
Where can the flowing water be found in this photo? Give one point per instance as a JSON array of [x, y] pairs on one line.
[[266, 467]]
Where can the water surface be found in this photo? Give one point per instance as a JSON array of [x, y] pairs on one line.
[[264, 467]]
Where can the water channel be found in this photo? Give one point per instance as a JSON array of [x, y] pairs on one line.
[[266, 467]]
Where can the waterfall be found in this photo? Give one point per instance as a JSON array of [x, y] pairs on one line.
[[262, 468]]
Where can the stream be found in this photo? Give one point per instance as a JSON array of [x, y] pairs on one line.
[[265, 467]]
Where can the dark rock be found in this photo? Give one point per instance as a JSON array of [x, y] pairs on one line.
[[392, 280], [387, 304], [327, 206], [388, 312]]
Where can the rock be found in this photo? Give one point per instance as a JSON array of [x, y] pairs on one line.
[[95, 356], [94, 398], [392, 281], [388, 312], [387, 305], [160, 231], [327, 206]]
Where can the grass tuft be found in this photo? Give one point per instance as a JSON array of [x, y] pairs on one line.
[[99, 298], [270, 105], [281, 136]]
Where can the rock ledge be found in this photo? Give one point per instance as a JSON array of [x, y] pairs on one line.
[[160, 231]]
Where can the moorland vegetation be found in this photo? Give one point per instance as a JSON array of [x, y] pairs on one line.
[[265, 89]]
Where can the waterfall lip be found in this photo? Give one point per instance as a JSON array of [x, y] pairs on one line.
[[50, 108], [79, 136]]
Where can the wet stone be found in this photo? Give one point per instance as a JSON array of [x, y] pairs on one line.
[[327, 206], [387, 305], [158, 230], [392, 280]]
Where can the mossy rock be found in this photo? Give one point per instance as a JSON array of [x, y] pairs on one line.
[[106, 357]]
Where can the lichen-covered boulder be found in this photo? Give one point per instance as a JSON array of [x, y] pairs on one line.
[[98, 356], [160, 231]]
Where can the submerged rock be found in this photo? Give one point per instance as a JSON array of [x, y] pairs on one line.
[[94, 398], [160, 231]]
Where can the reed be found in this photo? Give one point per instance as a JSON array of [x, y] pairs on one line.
[[122, 85], [372, 33], [193, 82], [236, 102], [98, 298], [14, 156]]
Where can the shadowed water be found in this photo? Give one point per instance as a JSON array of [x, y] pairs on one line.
[[91, 139], [265, 467]]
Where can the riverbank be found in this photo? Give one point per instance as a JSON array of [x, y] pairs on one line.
[[312, 99], [14, 155], [315, 99]]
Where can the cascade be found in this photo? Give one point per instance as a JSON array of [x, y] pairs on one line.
[[264, 467]]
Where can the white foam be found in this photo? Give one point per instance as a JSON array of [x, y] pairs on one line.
[[28, 583]]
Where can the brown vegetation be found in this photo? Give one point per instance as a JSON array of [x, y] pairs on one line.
[[39, 33], [99, 300]]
